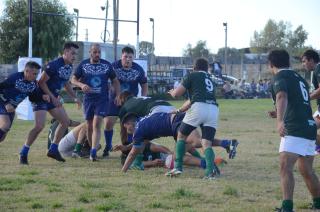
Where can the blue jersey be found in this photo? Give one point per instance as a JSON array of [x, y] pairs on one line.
[[15, 89], [130, 78], [96, 76], [154, 126], [59, 74]]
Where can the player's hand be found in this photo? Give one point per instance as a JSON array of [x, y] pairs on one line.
[[85, 88], [46, 97], [170, 91], [158, 162], [117, 101], [272, 114], [117, 148], [9, 108], [55, 101], [281, 128]]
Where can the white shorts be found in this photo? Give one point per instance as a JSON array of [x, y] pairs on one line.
[[202, 114], [297, 145], [162, 109], [67, 144], [169, 162]]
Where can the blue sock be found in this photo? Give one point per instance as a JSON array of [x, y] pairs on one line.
[[53, 147], [25, 150], [93, 152], [203, 164], [108, 137], [130, 137], [225, 143]]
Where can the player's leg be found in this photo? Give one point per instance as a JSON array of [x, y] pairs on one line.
[[134, 156], [39, 123], [96, 135], [67, 144], [5, 124], [208, 134], [109, 123]]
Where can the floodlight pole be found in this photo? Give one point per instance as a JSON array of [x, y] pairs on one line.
[[30, 29]]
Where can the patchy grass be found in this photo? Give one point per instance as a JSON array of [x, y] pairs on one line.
[[250, 182]]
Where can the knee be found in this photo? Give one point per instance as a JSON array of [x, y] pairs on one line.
[[65, 123], [306, 173], [3, 133], [38, 128]]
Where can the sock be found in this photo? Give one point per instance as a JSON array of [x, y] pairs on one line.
[[138, 160], [93, 152], [225, 143], [180, 150], [196, 154], [53, 147], [25, 150], [287, 204], [209, 156], [203, 164], [130, 137], [78, 147], [316, 202], [108, 137]]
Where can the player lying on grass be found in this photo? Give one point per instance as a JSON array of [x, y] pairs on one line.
[[14, 90], [155, 126]]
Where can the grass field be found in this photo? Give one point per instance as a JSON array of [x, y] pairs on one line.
[[248, 183]]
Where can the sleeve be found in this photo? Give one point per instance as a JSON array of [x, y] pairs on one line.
[[142, 77], [280, 85], [186, 81], [6, 84], [112, 73], [78, 71], [50, 69], [36, 95]]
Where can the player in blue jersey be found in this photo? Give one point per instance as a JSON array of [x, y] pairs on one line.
[[130, 76], [55, 76], [92, 77], [14, 90]]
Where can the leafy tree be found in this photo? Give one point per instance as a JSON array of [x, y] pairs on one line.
[[200, 50], [145, 48], [278, 35], [49, 32]]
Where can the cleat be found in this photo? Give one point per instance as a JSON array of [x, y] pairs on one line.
[[93, 157], [105, 153], [174, 172], [233, 148], [76, 154], [282, 210], [209, 177], [23, 160], [216, 170], [55, 155], [137, 167]]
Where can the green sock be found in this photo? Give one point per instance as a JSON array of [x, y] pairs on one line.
[[209, 157], [78, 147], [316, 202], [287, 204], [180, 149], [138, 160], [196, 154]]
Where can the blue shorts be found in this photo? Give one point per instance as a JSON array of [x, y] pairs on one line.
[[42, 105], [3, 111], [112, 108], [94, 107]]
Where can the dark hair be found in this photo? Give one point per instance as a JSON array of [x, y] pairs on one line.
[[32, 64], [279, 58], [123, 130], [128, 50], [201, 64], [311, 54], [69, 45]]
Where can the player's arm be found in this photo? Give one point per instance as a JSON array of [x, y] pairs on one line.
[[144, 89], [281, 107], [132, 155], [159, 148], [71, 93], [153, 163], [315, 94], [116, 86], [76, 81], [43, 85], [179, 91]]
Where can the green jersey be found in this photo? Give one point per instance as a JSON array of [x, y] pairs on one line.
[[200, 87], [316, 80], [140, 106], [298, 118]]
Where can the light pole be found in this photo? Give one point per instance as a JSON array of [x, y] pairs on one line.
[[105, 23], [152, 20], [77, 27], [225, 24]]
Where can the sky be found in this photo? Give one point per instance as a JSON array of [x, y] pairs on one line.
[[178, 23]]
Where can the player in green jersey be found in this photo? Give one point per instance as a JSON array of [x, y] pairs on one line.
[[295, 126]]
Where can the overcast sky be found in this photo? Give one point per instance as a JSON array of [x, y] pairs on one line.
[[179, 22]]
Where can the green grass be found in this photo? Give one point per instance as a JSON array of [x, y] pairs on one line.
[[250, 182]]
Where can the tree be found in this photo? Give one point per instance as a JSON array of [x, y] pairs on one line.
[[200, 50], [145, 48], [49, 32], [278, 35]]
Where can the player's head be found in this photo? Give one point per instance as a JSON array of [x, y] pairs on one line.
[[127, 57], [70, 52], [309, 59], [124, 96], [95, 53], [127, 126], [278, 59], [201, 64], [31, 71]]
